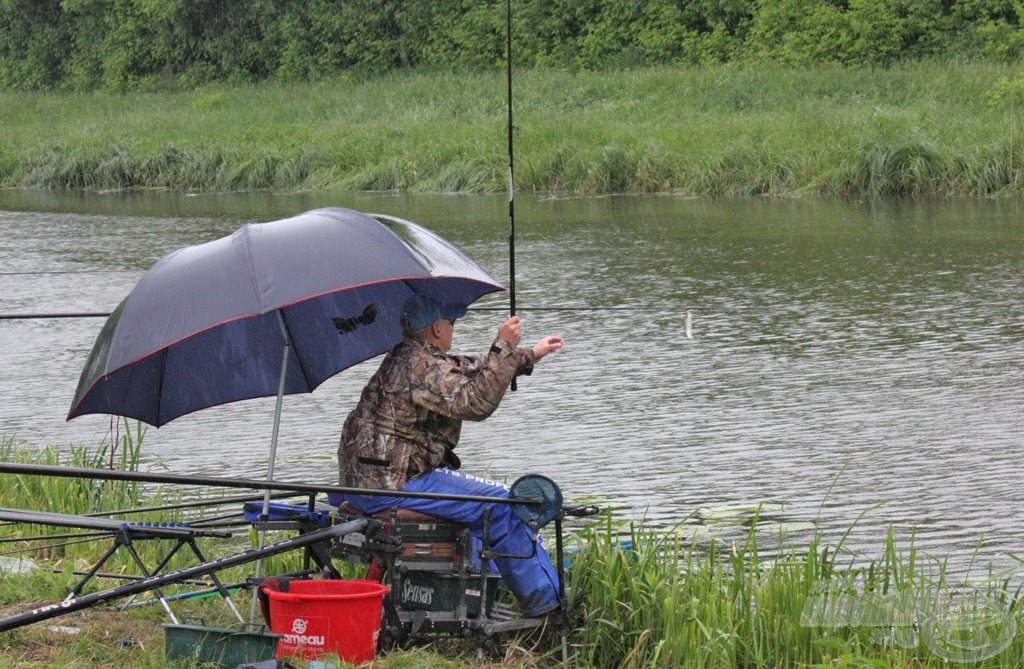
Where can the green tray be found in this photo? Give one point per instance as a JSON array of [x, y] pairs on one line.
[[226, 647]]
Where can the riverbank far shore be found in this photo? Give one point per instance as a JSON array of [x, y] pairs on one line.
[[924, 128]]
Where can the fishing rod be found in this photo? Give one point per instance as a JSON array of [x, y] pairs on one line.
[[88, 538], [511, 180], [572, 309], [71, 604], [223, 482], [86, 314], [62, 271], [4, 317], [220, 501], [41, 537]]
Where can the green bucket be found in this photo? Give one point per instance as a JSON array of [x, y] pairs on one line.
[[226, 647]]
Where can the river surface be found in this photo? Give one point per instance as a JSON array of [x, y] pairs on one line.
[[852, 364]]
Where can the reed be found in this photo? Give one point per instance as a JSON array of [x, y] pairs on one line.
[[75, 495], [52, 547], [659, 600], [916, 128]]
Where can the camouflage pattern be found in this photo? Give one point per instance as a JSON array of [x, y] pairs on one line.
[[410, 414]]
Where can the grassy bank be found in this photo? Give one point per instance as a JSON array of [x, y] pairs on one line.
[[667, 602], [919, 128], [647, 598]]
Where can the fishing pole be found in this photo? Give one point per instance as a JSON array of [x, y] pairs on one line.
[[62, 544], [5, 317], [62, 271], [220, 501], [572, 309], [71, 604], [41, 537], [82, 538], [511, 181], [86, 314], [250, 484]]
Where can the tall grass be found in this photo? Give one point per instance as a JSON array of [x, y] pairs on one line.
[[67, 550], [662, 598], [770, 130], [664, 601], [73, 495]]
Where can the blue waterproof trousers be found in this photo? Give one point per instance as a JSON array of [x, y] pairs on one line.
[[533, 581]]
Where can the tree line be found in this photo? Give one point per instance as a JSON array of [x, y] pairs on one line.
[[124, 45]]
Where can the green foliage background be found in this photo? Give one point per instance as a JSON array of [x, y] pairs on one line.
[[124, 45]]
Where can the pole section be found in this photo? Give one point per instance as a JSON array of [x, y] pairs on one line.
[[249, 484], [511, 180], [77, 603]]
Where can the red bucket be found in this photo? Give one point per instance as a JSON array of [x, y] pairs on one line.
[[318, 617]]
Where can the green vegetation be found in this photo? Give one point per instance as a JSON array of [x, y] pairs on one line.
[[924, 128], [668, 602], [67, 550], [147, 45], [690, 97], [647, 598]]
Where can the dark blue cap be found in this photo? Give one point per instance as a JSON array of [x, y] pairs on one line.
[[419, 311]]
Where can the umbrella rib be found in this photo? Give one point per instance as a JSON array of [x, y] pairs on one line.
[[245, 245], [294, 350], [160, 388]]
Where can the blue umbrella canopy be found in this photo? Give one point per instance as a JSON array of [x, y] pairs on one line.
[[211, 324]]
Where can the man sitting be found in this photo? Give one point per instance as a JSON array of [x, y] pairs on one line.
[[402, 434]]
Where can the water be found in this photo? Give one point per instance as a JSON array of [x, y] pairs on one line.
[[852, 363]]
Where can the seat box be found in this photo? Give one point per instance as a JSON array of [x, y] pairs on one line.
[[439, 591]]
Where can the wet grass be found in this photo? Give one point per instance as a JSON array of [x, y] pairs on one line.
[[935, 128], [665, 601], [648, 597], [64, 551]]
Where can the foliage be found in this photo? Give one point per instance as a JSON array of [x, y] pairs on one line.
[[645, 597], [124, 45], [912, 129], [76, 495], [67, 550], [659, 599]]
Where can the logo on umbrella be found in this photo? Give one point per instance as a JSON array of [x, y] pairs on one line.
[[346, 325]]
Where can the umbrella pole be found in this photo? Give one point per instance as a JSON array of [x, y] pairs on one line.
[[285, 350]]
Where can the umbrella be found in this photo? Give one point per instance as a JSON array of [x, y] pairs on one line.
[[273, 309]]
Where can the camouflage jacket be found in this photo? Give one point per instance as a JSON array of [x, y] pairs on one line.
[[410, 414]]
